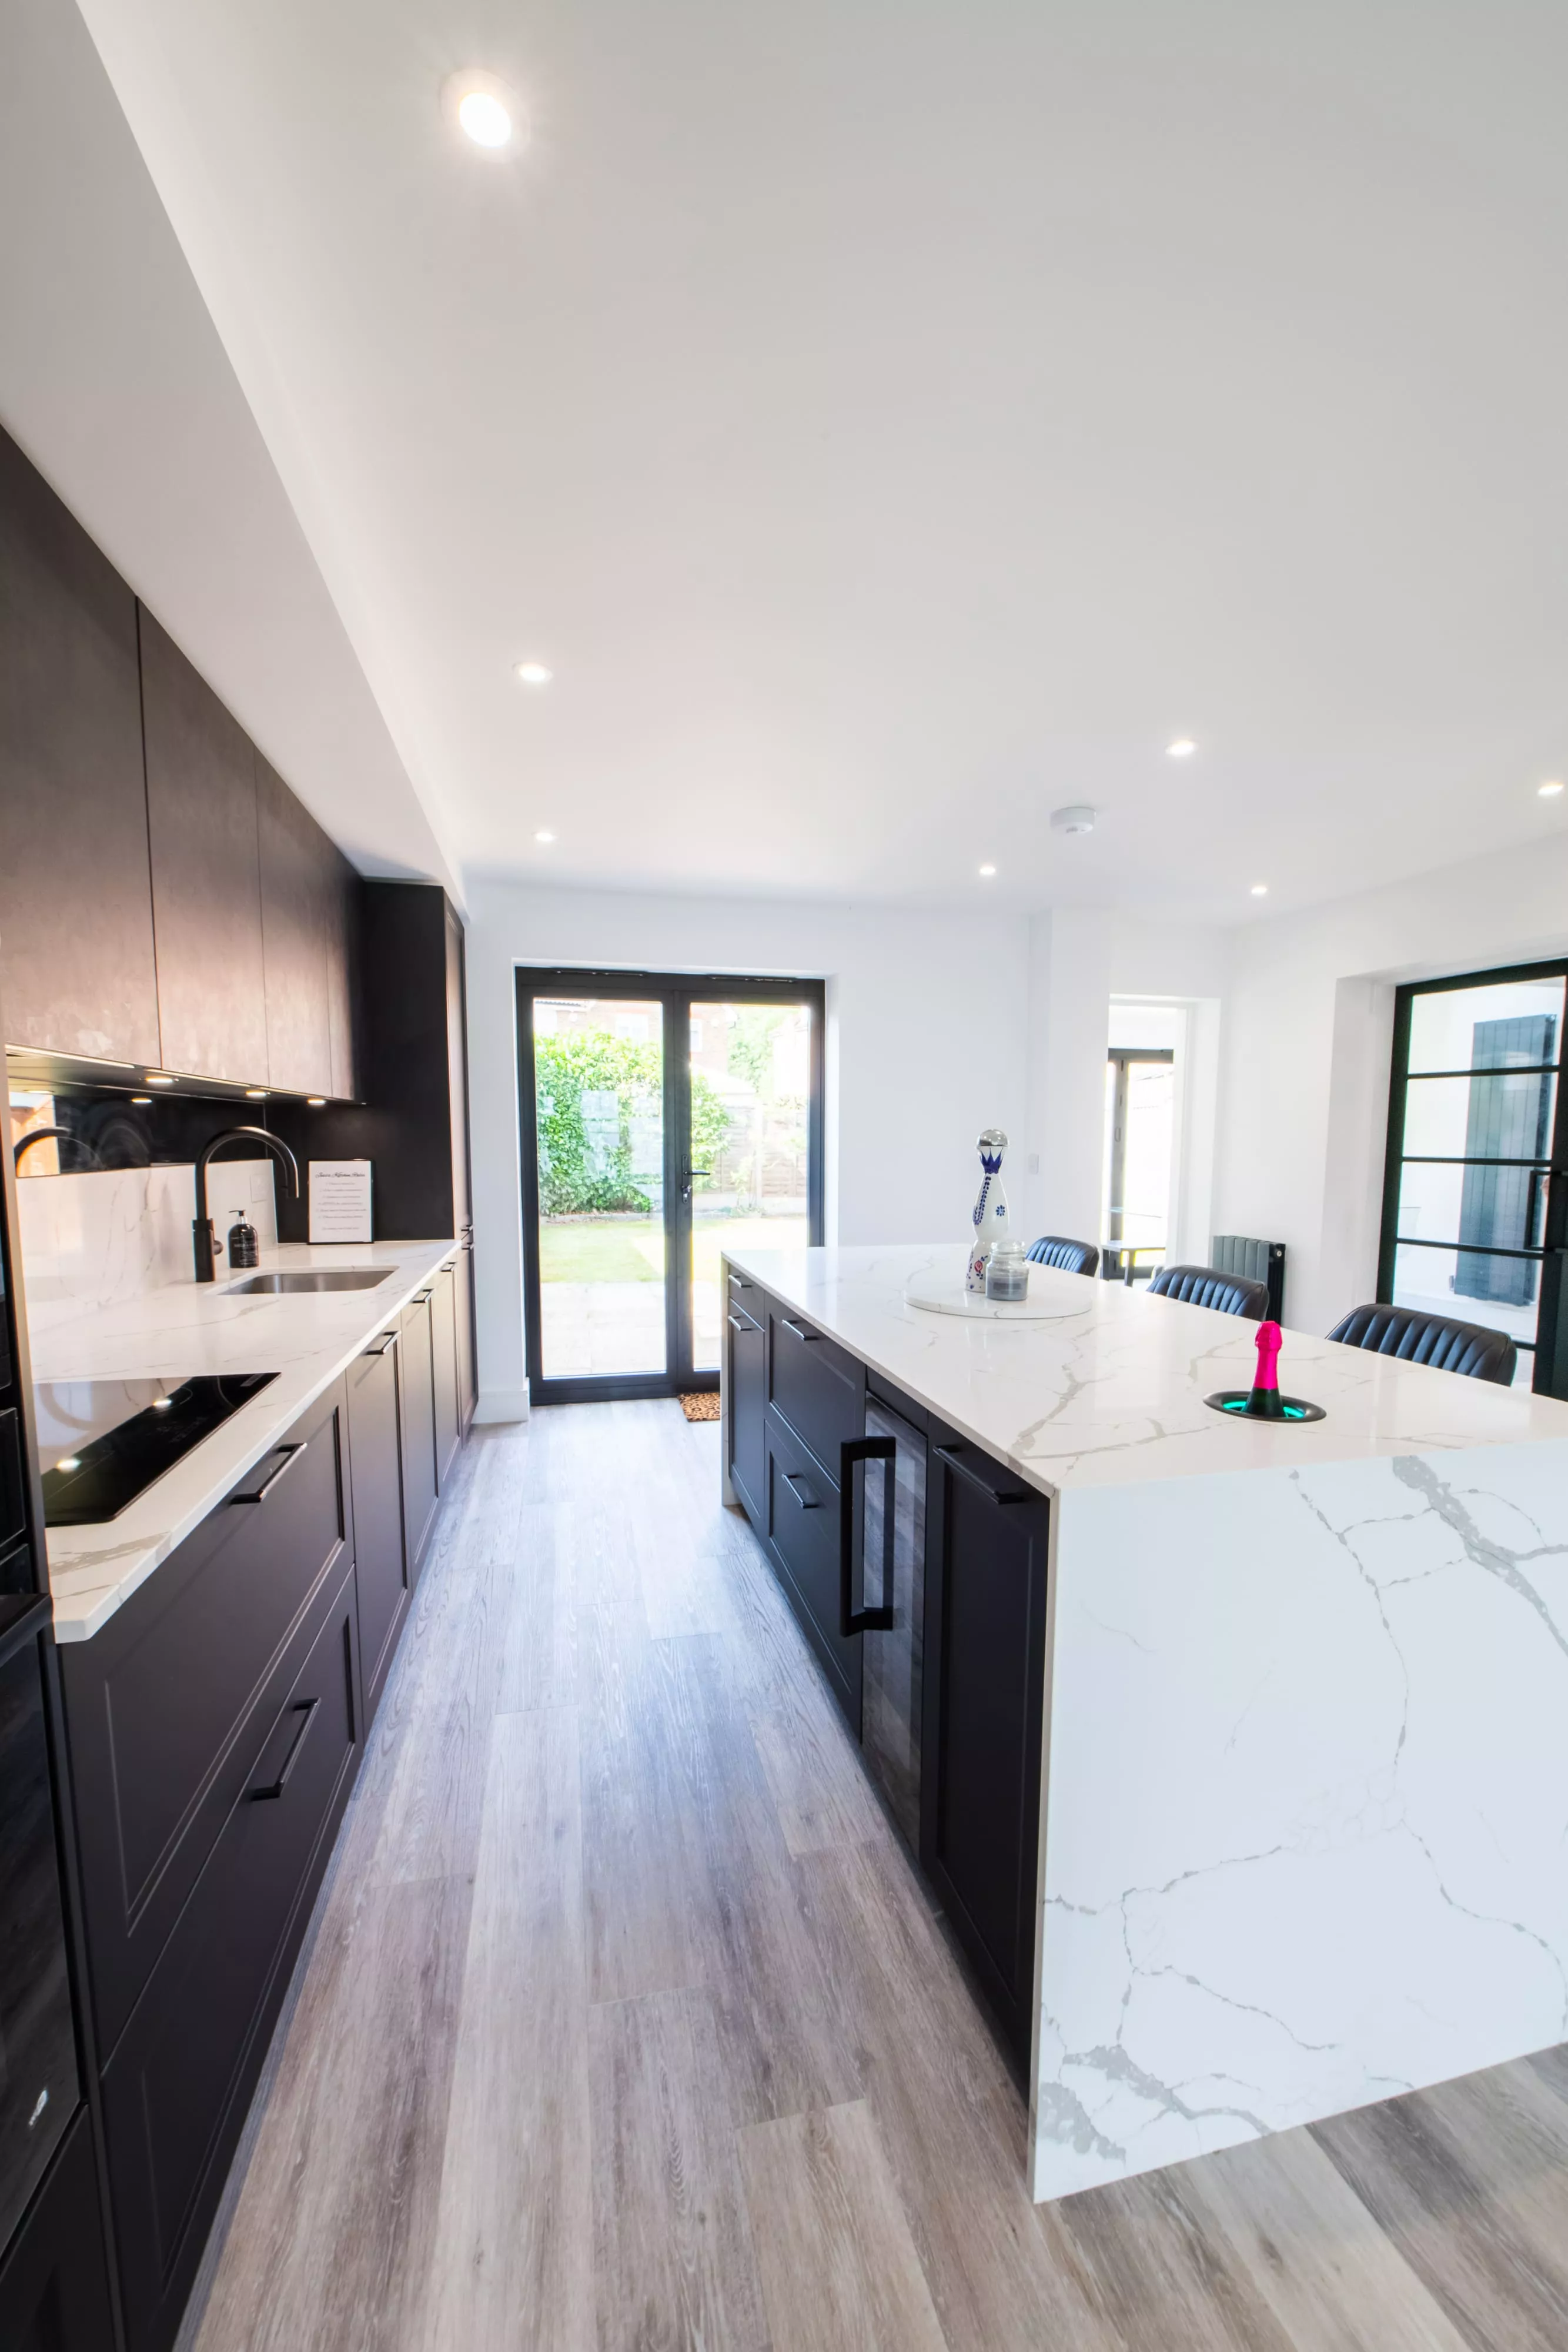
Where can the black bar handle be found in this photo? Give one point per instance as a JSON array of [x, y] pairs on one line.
[[306, 1710], [743, 1323], [951, 1455], [864, 1449], [389, 1341], [798, 1329], [807, 1500], [291, 1454]]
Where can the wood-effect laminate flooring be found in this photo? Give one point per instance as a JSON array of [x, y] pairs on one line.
[[625, 2024]]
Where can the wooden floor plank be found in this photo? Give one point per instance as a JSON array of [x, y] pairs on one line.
[[1312, 2250], [332, 2234], [674, 2266], [839, 2267], [513, 2259], [1470, 2181]]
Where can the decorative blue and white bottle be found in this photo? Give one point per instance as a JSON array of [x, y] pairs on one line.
[[990, 1210]]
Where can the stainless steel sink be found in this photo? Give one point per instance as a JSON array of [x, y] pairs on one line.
[[335, 1278]]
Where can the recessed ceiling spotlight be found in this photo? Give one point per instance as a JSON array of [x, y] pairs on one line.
[[154, 1078], [1260, 889], [988, 871], [544, 835], [532, 673], [1079, 818], [1549, 792], [484, 110], [1182, 749]]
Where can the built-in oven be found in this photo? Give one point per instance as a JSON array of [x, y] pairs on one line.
[[39, 2088]]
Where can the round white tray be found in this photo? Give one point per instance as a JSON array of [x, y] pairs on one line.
[[946, 1295]]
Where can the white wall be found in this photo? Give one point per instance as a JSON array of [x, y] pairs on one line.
[[1309, 1013], [927, 1044]]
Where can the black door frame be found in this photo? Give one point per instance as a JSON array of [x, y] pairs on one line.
[[674, 992], [1550, 1373]]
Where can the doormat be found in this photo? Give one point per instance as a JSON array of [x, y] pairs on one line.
[[701, 1406]]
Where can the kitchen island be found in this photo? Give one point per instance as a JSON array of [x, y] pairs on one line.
[[1302, 1692]]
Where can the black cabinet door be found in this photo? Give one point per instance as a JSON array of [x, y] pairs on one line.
[[206, 870], [748, 1413], [298, 878], [817, 1385], [164, 1707], [54, 2279], [804, 1536], [463, 1319], [176, 2089], [418, 1393], [380, 1560], [986, 1585], [444, 1373], [76, 899]]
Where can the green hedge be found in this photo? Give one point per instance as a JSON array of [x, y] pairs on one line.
[[586, 1148]]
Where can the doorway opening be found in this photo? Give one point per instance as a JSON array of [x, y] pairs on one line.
[[1139, 1165], [664, 1118]]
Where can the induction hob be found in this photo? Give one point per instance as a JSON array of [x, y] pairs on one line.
[[100, 1444]]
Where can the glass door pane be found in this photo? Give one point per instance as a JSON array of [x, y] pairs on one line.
[[1479, 1111], [749, 1145], [598, 1099]]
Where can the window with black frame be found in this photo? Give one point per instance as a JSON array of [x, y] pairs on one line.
[[1471, 1216]]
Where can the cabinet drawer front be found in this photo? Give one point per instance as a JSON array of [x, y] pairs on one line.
[[803, 1533], [380, 1563], [168, 1707], [748, 1413], [747, 1297], [174, 2093], [418, 1378], [818, 1388]]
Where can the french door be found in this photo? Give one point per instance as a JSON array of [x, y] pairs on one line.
[[664, 1117], [1475, 1219]]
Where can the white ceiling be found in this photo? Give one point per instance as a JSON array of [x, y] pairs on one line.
[[893, 421], [113, 380]]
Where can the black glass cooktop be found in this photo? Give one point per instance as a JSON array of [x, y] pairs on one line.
[[102, 1443]]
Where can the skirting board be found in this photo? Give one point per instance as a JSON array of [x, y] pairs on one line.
[[502, 1404]]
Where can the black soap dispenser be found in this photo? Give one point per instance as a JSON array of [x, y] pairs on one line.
[[244, 1249]]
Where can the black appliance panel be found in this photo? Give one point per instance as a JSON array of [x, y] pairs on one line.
[[100, 1444], [39, 2089]]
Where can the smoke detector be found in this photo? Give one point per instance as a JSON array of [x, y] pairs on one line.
[[1079, 818]]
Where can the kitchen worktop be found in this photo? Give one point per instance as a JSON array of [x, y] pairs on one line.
[[185, 1328], [1111, 1394], [1305, 1764]]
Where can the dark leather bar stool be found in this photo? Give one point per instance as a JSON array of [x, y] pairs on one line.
[[1473, 1348], [1204, 1285], [1072, 1257]]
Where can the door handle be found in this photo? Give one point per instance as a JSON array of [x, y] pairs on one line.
[[291, 1454], [307, 1711], [801, 1492], [799, 1331], [951, 1455], [864, 1449]]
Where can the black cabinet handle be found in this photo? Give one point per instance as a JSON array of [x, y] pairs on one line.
[[740, 1282], [741, 1323], [306, 1710], [801, 1492], [864, 1449], [291, 1454], [798, 1329], [423, 1297], [952, 1455], [389, 1341]]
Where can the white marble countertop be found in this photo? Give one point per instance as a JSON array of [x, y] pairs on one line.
[[185, 1329], [1113, 1393]]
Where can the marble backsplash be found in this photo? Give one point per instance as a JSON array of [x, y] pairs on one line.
[[98, 1240]]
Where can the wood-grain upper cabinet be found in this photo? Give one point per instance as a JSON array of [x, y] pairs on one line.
[[76, 901], [345, 1012], [206, 870], [299, 880]]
